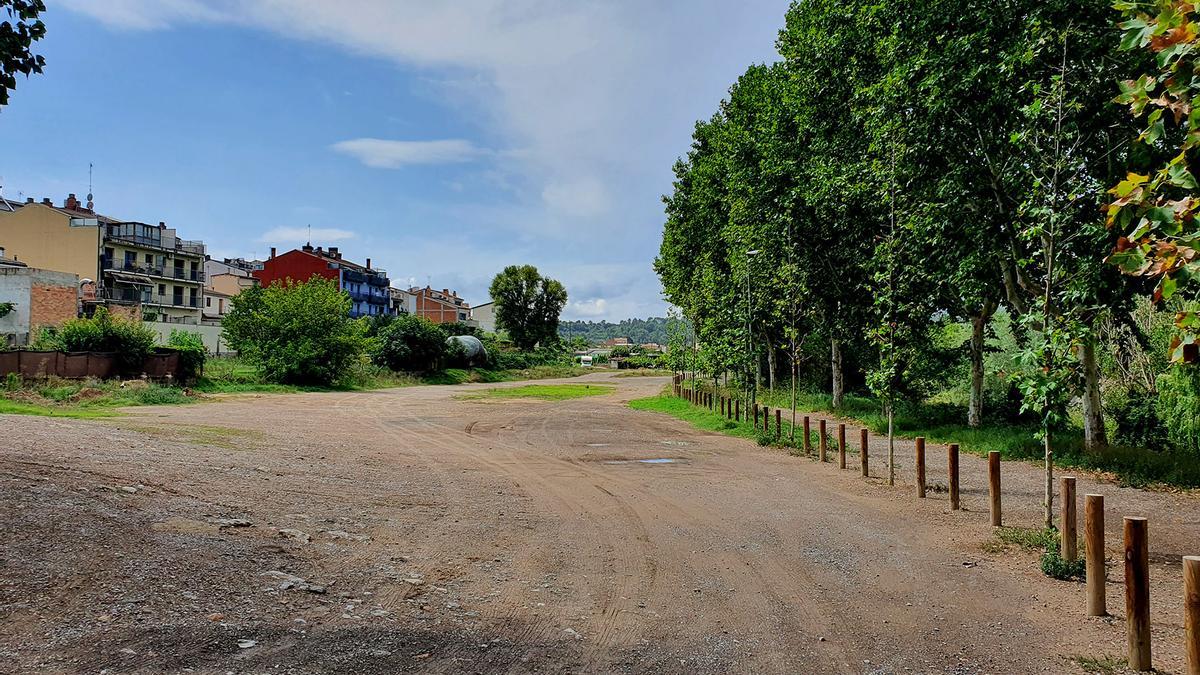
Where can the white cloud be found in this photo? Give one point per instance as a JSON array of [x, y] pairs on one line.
[[586, 197], [295, 235], [383, 154], [587, 309]]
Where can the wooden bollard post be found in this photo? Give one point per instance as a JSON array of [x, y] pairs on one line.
[[1093, 534], [1070, 535], [921, 467], [841, 446], [952, 470], [994, 486], [1137, 592], [778, 425], [1191, 612], [821, 444], [807, 440], [862, 453], [737, 410]]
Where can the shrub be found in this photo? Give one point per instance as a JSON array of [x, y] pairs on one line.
[[129, 340], [1136, 417], [410, 343], [1058, 567], [460, 328], [296, 333], [620, 351], [1179, 408], [192, 353]]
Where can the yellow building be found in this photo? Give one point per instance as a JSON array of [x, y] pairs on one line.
[[131, 263]]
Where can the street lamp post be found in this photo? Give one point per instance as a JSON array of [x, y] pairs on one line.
[[750, 374]]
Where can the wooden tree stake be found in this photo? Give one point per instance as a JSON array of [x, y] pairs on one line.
[[1137, 593], [952, 470], [1093, 534], [841, 446], [821, 440], [921, 467], [1191, 612], [994, 486], [1070, 535], [862, 455]]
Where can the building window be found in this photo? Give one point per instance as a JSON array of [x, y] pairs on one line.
[[208, 302], [162, 289]]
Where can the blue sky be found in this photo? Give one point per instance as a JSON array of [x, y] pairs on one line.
[[444, 140]]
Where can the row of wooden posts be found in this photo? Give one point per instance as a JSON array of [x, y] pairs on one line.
[[1137, 566]]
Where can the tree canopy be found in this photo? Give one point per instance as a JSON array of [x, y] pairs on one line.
[[18, 32], [527, 305]]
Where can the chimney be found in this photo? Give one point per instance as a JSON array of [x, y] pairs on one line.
[[333, 252], [47, 202], [71, 202], [29, 200], [307, 248], [320, 251], [162, 225], [272, 253], [368, 263]]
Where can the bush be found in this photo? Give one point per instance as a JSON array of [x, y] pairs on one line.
[[192, 353], [620, 351], [460, 328], [296, 333], [1054, 565], [1179, 408], [410, 343], [129, 340], [1137, 423]]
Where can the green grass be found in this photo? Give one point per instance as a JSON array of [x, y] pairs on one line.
[[644, 372], [703, 418], [1135, 467], [10, 407], [544, 392]]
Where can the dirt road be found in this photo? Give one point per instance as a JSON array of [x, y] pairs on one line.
[[426, 533]]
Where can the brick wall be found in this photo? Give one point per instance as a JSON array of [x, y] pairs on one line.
[[50, 305]]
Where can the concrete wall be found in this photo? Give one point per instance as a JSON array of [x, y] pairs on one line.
[[210, 334], [42, 236]]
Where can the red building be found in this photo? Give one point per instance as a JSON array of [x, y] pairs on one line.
[[367, 287], [442, 306]]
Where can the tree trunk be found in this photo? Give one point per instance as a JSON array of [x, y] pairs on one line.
[[1048, 505], [770, 368], [1094, 435], [891, 415], [975, 408], [839, 382], [795, 375]]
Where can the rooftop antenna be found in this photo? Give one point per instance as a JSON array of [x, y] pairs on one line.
[[90, 205]]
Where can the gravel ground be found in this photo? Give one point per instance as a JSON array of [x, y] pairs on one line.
[[405, 530]]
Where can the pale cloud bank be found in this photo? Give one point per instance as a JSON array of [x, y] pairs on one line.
[[383, 154]]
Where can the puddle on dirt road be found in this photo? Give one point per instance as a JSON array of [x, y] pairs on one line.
[[675, 442], [598, 445], [661, 460]]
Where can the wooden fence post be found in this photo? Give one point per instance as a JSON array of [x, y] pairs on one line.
[[807, 440], [821, 440], [1137, 593], [722, 406], [862, 455], [1093, 534], [737, 410], [1191, 612], [778, 425], [767, 420], [921, 467], [1070, 535], [756, 416], [994, 486], [952, 470], [841, 446]]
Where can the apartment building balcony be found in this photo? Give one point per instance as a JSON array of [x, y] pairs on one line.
[[172, 301], [196, 276], [182, 246]]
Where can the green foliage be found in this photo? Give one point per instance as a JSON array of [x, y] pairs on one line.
[[130, 341], [1057, 567], [619, 351], [544, 392], [1178, 408], [1028, 538], [639, 331], [1156, 204], [192, 353], [459, 328], [411, 344], [296, 333], [6, 308], [22, 28], [527, 305]]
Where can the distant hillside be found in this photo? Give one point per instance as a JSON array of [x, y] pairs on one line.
[[639, 331]]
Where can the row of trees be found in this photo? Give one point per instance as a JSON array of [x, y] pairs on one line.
[[908, 164]]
